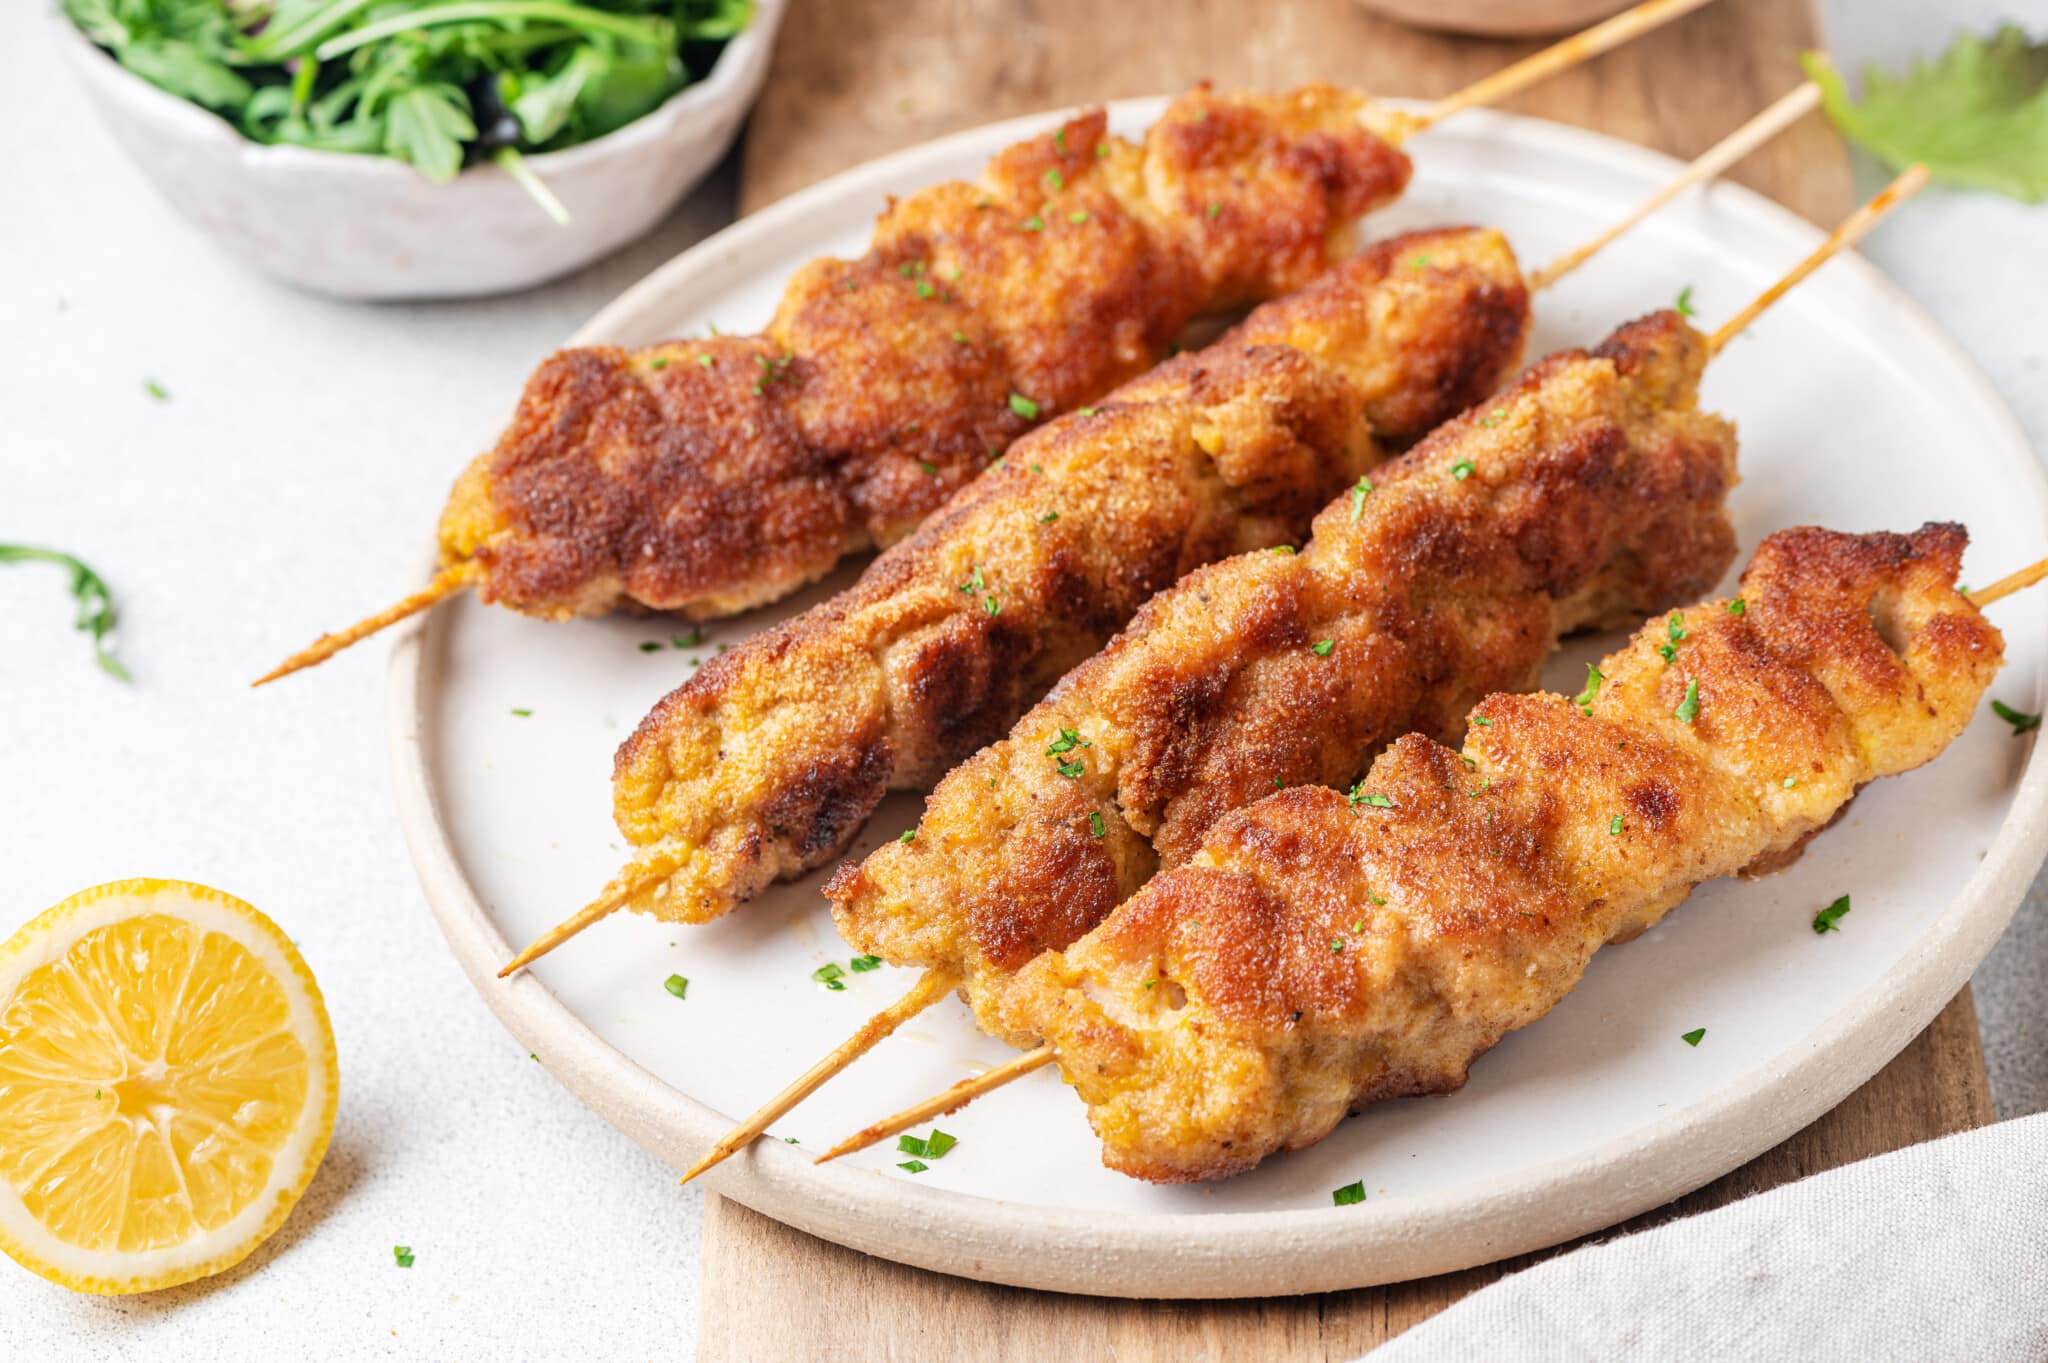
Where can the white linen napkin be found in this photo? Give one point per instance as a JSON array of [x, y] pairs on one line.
[[1936, 1252]]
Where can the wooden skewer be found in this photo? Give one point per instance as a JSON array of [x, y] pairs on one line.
[[930, 988], [2007, 585], [621, 891], [964, 1092], [1723, 154], [445, 584], [1911, 181], [1781, 115], [958, 1096], [1852, 228], [1570, 52], [1582, 46]]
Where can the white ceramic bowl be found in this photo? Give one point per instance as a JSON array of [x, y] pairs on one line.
[[370, 227]]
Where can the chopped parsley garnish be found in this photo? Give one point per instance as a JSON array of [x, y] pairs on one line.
[[1077, 217], [1493, 416], [1669, 652], [1034, 223], [1738, 607], [690, 640], [1096, 825], [933, 1146], [677, 985], [1689, 708], [908, 835], [992, 606], [1321, 647], [650, 646], [1023, 406], [1463, 469], [1102, 148], [157, 391], [1059, 139], [2020, 721], [1215, 211], [861, 965], [931, 470], [974, 583], [961, 337], [1829, 919], [915, 1166], [1692, 1038], [1048, 518], [1350, 1195], [829, 975], [1283, 549], [1068, 740], [1336, 946], [924, 289], [661, 363], [1482, 721], [1071, 770], [1675, 627], [1615, 825], [705, 360], [1584, 700], [1791, 781], [1055, 179], [95, 602], [402, 1255], [1420, 261], [1358, 491], [1685, 308], [1359, 797], [524, 714], [1084, 411]]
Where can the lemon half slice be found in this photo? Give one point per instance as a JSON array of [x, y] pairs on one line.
[[167, 1085]]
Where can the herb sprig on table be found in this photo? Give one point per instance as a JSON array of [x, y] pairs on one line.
[[1977, 115], [95, 601], [440, 84]]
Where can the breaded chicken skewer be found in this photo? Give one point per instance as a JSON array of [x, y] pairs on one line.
[[706, 478], [1586, 493], [766, 762], [883, 908], [1322, 951]]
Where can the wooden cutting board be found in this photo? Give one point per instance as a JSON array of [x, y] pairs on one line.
[[853, 79]]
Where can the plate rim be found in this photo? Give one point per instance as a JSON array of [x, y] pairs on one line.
[[1235, 1254]]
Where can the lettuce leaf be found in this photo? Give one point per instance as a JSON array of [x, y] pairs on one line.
[[1976, 116]]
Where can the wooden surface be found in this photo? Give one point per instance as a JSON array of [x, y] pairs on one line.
[[853, 79]]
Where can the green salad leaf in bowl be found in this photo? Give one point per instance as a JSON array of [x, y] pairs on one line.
[[439, 84]]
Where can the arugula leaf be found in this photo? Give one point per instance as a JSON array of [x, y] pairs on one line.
[[1977, 115], [427, 126]]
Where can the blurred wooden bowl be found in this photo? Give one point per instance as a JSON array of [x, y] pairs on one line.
[[1497, 18]]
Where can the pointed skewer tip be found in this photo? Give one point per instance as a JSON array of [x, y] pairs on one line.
[[932, 986], [445, 584]]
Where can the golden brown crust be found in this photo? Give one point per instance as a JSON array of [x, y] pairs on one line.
[[1592, 490], [1324, 951], [707, 477], [768, 759]]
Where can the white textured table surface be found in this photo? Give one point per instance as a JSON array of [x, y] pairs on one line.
[[289, 482]]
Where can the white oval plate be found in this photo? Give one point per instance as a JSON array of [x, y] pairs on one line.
[[1856, 412]]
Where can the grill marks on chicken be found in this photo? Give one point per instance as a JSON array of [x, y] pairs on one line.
[[766, 762], [707, 477], [1320, 953], [1588, 492]]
